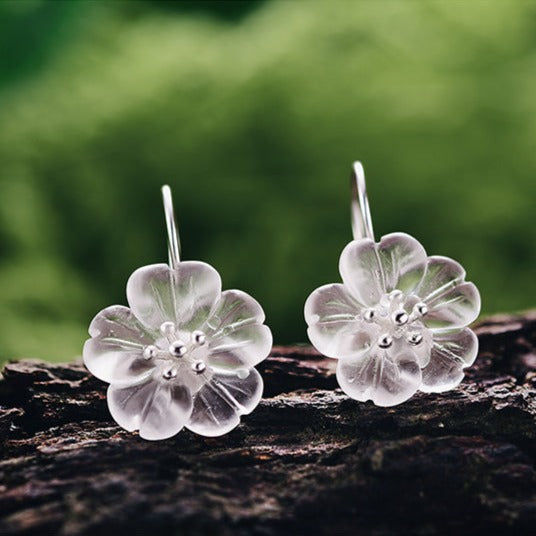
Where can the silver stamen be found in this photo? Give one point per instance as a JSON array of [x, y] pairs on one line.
[[199, 338], [396, 295], [415, 338], [169, 373], [177, 348], [400, 318], [421, 309], [199, 367], [167, 329], [385, 341], [369, 315], [149, 351]]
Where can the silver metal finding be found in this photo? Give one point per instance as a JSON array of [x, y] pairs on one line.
[[361, 220], [385, 341], [174, 245]]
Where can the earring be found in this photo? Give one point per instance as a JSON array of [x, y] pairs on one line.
[[398, 321], [183, 354]]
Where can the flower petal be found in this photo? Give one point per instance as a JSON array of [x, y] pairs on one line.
[[451, 353], [403, 261], [238, 339], [370, 270], [234, 309], [379, 377], [442, 275], [220, 403], [361, 271], [157, 409], [114, 354], [242, 348], [157, 294], [331, 303], [335, 328], [457, 307]]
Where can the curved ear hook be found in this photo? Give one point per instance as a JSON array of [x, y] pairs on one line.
[[174, 245], [361, 220]]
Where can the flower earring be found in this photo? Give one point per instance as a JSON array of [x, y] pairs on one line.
[[398, 321], [183, 354]]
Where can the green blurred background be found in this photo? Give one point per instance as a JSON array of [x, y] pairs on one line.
[[253, 112]]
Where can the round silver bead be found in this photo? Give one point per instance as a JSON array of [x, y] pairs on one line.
[[400, 318], [369, 315], [396, 295], [242, 373], [421, 308], [199, 367], [199, 338], [177, 349], [149, 352], [415, 338], [167, 328], [169, 373], [385, 341]]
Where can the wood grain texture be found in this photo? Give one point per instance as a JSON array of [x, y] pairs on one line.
[[308, 461]]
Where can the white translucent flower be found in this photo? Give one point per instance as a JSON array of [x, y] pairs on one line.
[[398, 321], [182, 355]]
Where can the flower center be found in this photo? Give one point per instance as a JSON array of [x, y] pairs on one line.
[[177, 352], [398, 317]]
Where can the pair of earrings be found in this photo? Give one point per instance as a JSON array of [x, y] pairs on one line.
[[184, 353]]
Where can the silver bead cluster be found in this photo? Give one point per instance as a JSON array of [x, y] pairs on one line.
[[177, 349], [399, 318]]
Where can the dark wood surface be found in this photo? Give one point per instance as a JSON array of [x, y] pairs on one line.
[[308, 461]]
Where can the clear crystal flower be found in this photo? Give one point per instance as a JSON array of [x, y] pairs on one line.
[[398, 322], [183, 354]]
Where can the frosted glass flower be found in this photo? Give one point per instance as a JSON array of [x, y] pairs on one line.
[[183, 355], [398, 321]]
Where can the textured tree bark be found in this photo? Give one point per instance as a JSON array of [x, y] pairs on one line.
[[307, 461]]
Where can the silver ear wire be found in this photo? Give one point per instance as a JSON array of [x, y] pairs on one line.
[[361, 219], [174, 245]]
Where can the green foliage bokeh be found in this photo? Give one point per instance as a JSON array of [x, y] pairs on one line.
[[253, 114]]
